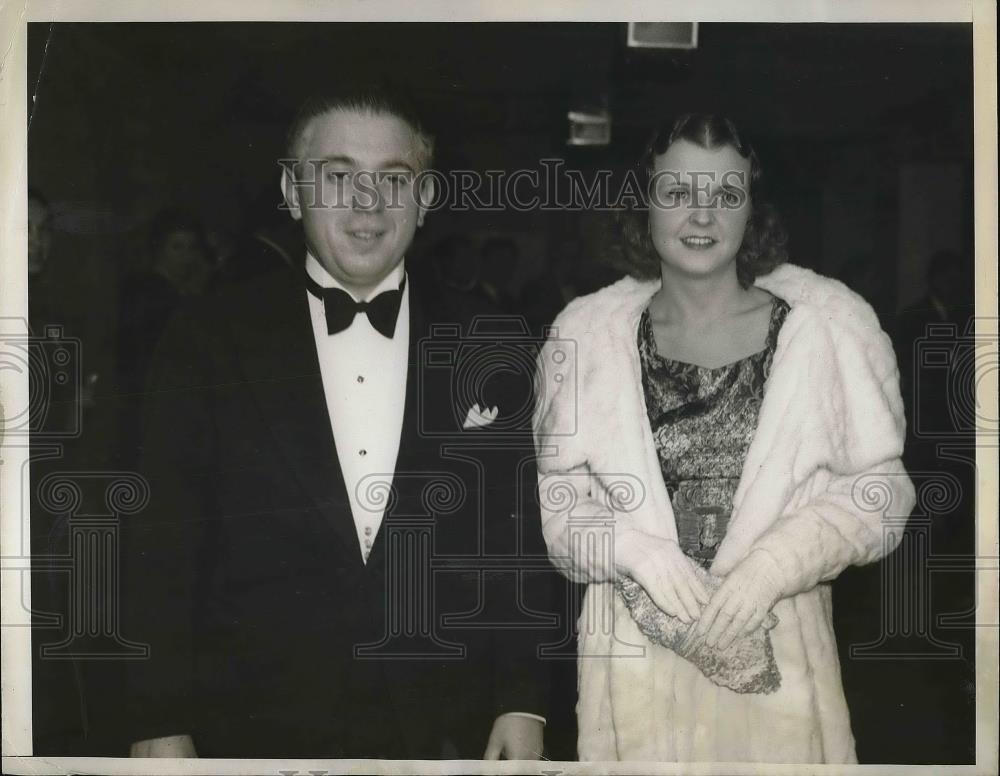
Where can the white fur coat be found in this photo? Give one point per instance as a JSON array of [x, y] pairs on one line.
[[822, 487]]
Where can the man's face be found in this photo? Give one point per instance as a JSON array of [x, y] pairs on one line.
[[354, 193], [39, 236]]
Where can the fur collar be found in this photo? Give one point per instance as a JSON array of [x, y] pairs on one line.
[[831, 401]]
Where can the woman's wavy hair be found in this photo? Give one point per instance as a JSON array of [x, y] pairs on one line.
[[765, 241]]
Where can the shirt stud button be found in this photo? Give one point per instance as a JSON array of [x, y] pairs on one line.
[[362, 452], [368, 530], [361, 378]]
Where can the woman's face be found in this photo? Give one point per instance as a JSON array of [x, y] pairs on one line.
[[182, 250], [699, 206]]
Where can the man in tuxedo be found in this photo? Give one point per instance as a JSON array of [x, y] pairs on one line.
[[336, 558]]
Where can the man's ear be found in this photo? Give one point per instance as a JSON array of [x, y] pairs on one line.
[[425, 195], [290, 192]]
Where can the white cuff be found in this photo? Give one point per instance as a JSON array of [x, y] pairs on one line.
[[523, 714]]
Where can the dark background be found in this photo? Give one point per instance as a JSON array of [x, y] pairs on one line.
[[862, 127], [864, 130]]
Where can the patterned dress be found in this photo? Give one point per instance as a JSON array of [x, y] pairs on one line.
[[703, 420]]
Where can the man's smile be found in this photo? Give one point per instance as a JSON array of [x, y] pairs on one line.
[[366, 236]]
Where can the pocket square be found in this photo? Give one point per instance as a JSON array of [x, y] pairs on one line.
[[477, 418]]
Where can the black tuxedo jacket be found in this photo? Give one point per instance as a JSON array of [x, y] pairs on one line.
[[268, 635]]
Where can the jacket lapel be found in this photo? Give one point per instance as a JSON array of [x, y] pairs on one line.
[[417, 451], [278, 357]]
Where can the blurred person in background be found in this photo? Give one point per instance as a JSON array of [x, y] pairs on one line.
[[267, 240], [453, 286], [57, 695], [41, 275], [180, 266], [546, 294], [500, 257], [948, 300]]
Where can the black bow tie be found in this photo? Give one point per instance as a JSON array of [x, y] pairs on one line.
[[340, 308]]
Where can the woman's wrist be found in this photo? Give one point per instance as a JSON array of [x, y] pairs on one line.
[[624, 552], [636, 550], [764, 569]]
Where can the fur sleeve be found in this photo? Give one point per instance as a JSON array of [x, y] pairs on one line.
[[586, 524], [853, 495], [853, 520]]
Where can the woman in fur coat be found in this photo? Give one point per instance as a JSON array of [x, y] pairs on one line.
[[716, 444]]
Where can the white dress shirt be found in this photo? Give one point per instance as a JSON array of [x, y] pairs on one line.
[[364, 380]]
